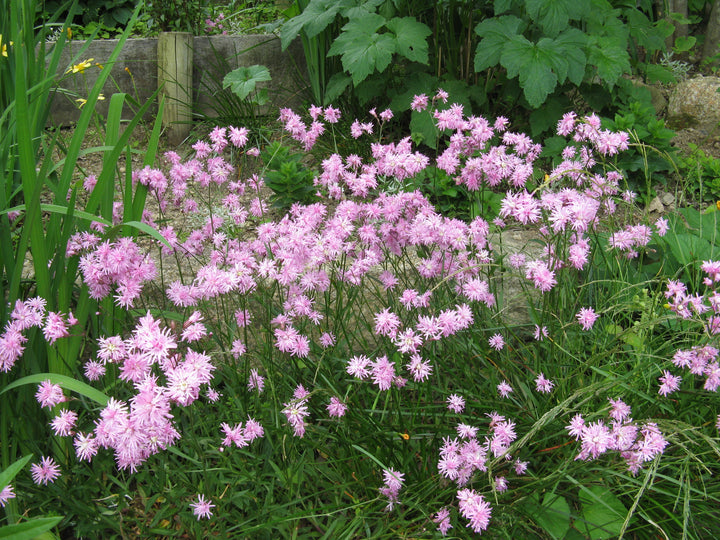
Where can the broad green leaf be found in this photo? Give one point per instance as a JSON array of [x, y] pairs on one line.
[[684, 44], [572, 44], [537, 82], [517, 53], [537, 66], [30, 529], [657, 73], [411, 38], [243, 80], [367, 24], [602, 511], [554, 15], [11, 471], [423, 129], [362, 54], [336, 86], [315, 18], [63, 380], [650, 36], [495, 34], [611, 61], [553, 515]]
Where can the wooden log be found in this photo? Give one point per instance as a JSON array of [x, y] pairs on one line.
[[175, 67]]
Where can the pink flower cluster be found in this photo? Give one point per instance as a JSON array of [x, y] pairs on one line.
[[143, 425], [25, 315], [298, 130], [393, 482], [106, 264], [636, 444]]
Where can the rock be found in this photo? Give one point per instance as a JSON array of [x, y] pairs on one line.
[[695, 103], [668, 199], [655, 206]]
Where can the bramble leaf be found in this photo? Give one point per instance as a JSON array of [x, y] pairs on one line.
[[411, 38], [572, 43], [316, 16], [495, 34], [363, 51], [554, 15], [538, 66], [611, 61]]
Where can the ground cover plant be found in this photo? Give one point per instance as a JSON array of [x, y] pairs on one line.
[[293, 341], [353, 368]]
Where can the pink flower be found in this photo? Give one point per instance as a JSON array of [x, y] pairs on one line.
[[202, 508], [497, 342], [256, 381], [49, 394], [619, 410], [63, 424], [6, 494], [336, 407], [543, 385], [55, 327], [475, 509], [386, 323], [504, 389], [456, 403], [586, 317], [419, 103], [45, 471], [661, 225], [391, 487], [442, 520], [669, 383]]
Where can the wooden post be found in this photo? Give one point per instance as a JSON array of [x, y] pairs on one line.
[[175, 66]]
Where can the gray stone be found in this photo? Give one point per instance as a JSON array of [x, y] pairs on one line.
[[695, 103], [134, 72], [655, 206]]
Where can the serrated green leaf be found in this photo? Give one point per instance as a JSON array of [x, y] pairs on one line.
[[657, 73], [610, 61], [572, 43], [423, 129], [315, 18], [538, 66], [647, 35], [495, 34], [537, 82], [554, 15], [243, 80], [602, 511], [366, 24], [411, 38], [336, 86], [66, 382], [363, 54]]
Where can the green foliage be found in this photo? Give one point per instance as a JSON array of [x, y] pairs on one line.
[[178, 15], [701, 175], [652, 157], [109, 14], [285, 174], [243, 82]]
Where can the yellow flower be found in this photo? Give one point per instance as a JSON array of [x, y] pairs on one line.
[[82, 66], [69, 32], [3, 49], [99, 65], [81, 102]]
